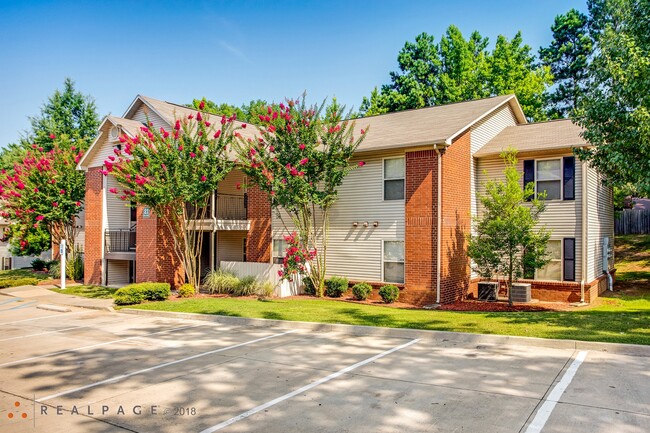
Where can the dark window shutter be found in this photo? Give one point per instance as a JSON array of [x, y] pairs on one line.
[[529, 174], [569, 259], [569, 178]]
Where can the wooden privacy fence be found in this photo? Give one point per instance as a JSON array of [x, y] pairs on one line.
[[633, 222]]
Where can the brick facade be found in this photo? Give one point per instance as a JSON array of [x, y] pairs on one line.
[[94, 241], [154, 252], [456, 219], [258, 240], [420, 227]]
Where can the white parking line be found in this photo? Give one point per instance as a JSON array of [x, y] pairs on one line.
[[155, 367], [304, 388], [60, 352], [553, 397], [28, 304], [45, 317], [43, 333]]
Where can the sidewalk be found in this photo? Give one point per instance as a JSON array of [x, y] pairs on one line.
[[42, 295]]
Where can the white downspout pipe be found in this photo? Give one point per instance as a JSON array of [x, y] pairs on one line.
[[585, 231], [439, 222]]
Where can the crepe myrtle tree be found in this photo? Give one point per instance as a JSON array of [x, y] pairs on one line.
[[42, 196], [300, 157], [175, 173], [505, 239]]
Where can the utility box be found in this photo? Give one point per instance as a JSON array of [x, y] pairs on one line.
[[487, 291], [520, 292]]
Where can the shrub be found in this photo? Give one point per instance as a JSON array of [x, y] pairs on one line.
[[247, 286], [186, 291], [265, 289], [136, 293], [361, 291], [219, 281], [38, 264], [389, 293], [9, 282], [310, 289], [55, 270], [50, 263], [336, 286]]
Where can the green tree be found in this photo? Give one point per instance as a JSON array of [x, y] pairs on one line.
[[458, 69], [175, 173], [512, 69], [246, 113], [615, 111], [568, 57], [506, 240], [300, 158]]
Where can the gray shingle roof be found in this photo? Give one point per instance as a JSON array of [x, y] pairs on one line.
[[533, 137]]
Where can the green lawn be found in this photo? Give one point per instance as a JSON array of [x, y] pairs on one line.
[[98, 292], [621, 317]]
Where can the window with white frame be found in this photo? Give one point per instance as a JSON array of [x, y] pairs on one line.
[[393, 261], [279, 250], [548, 176], [553, 270], [394, 173]]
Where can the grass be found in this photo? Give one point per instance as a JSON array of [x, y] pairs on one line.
[[97, 292], [621, 317], [23, 273]]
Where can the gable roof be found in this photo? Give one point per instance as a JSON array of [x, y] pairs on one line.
[[432, 125], [130, 127], [534, 137]]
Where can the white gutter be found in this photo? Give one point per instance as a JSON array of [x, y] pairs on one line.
[[585, 231], [438, 229]]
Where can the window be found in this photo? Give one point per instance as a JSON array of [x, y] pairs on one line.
[[279, 250], [549, 178], [394, 179], [552, 271], [394, 261]]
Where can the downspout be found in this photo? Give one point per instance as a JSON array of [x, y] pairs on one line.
[[439, 222], [585, 231]]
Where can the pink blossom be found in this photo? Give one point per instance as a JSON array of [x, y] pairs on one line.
[[238, 185], [52, 136], [177, 126], [202, 105], [304, 161], [191, 116], [40, 218], [363, 131], [55, 204], [301, 147], [203, 178], [199, 117], [207, 124], [192, 155], [272, 148], [243, 125], [217, 134], [62, 191], [113, 190], [35, 189], [361, 163]]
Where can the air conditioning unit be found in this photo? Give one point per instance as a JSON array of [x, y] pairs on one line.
[[114, 133], [520, 292], [487, 291]]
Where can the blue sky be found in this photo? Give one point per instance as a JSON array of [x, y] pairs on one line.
[[230, 51]]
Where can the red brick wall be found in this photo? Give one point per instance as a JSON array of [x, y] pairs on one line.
[[456, 219], [258, 240], [154, 252], [94, 241], [420, 231]]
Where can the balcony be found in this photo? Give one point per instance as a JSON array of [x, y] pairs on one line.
[[119, 244], [231, 213]]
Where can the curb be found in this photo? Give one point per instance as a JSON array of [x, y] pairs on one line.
[[442, 336], [61, 304]]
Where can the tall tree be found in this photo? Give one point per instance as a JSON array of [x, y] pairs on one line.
[[615, 111], [246, 112], [458, 69], [568, 57], [512, 69]]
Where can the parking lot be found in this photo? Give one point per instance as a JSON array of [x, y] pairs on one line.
[[96, 371]]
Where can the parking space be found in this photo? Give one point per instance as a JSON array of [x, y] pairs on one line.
[[93, 371]]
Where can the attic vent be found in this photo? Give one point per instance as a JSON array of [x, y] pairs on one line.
[[114, 133]]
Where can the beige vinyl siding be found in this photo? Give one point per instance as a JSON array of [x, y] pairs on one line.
[[230, 246], [143, 112], [562, 217], [118, 272], [80, 238], [117, 211], [600, 222], [355, 252], [229, 184], [106, 149]]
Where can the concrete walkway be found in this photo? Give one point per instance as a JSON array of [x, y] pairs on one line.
[[43, 297]]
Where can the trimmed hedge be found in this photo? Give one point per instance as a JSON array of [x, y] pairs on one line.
[[336, 286], [389, 293], [15, 282], [361, 291], [186, 291], [38, 264], [137, 293]]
